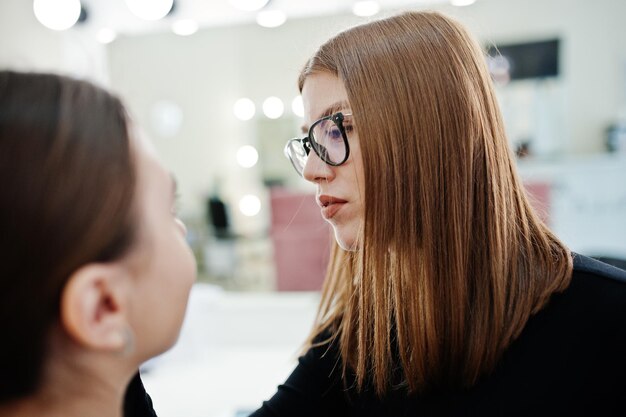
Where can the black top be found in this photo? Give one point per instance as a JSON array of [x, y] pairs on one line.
[[570, 360], [137, 403]]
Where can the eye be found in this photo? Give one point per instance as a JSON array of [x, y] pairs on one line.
[[334, 133]]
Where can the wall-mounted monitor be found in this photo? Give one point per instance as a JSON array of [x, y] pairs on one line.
[[524, 60]]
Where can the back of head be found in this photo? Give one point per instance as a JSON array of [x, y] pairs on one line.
[[67, 193], [453, 259]]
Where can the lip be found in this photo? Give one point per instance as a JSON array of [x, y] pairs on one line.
[[330, 205]]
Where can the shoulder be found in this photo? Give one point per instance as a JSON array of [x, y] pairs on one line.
[[595, 283], [589, 266], [594, 302]]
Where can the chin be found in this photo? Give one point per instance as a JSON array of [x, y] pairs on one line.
[[346, 241]]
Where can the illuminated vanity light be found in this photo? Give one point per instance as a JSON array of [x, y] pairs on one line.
[[250, 205], [247, 156], [249, 5], [106, 35], [273, 107], [57, 14], [462, 3], [271, 18], [244, 109], [365, 8], [150, 9], [185, 27]]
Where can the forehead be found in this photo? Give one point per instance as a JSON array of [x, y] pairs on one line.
[[320, 92], [151, 174]]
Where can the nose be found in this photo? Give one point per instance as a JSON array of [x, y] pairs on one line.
[[316, 170]]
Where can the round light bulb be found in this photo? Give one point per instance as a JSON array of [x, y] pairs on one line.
[[271, 18], [249, 5], [185, 27], [247, 156], [250, 205], [273, 107], [365, 8], [244, 109], [150, 9], [106, 35], [462, 3], [57, 14]]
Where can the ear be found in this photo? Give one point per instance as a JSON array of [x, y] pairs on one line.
[[93, 307]]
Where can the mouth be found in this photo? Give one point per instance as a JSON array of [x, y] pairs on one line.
[[330, 205]]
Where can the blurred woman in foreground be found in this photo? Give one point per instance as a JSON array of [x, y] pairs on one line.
[[96, 271]]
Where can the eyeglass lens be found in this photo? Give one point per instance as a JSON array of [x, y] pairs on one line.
[[327, 139], [297, 154]]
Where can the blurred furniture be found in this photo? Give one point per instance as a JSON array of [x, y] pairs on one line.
[[587, 200], [301, 240]]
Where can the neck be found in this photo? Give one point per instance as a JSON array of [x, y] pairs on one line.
[[87, 397], [76, 384]]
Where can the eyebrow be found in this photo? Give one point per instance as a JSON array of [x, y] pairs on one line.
[[333, 108]]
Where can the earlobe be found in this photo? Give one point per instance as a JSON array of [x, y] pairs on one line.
[[92, 307]]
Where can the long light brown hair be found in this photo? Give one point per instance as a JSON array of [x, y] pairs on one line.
[[452, 259]]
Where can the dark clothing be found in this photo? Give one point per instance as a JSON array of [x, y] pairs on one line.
[[137, 403], [570, 360]]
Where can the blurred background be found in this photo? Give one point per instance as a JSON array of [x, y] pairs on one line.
[[213, 83]]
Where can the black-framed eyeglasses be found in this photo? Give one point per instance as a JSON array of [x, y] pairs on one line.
[[327, 137]]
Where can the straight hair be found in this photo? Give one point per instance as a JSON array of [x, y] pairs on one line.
[[452, 259], [68, 184]]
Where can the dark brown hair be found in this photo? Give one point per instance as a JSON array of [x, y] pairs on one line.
[[68, 182], [452, 259]]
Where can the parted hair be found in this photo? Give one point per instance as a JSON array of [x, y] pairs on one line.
[[67, 194], [452, 259]]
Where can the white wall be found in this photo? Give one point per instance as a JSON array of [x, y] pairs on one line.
[[28, 46]]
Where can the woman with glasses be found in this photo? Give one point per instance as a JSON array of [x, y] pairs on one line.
[[96, 271], [445, 294]]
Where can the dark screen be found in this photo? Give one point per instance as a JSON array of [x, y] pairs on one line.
[[529, 60]]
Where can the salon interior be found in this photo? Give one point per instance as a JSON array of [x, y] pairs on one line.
[[212, 83]]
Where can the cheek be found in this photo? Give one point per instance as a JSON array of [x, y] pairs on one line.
[[169, 280], [181, 270]]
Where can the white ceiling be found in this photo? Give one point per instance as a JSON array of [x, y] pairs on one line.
[[115, 15]]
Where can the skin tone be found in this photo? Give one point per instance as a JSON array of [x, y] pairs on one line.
[[340, 189], [116, 315]]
